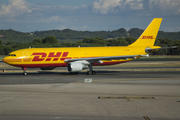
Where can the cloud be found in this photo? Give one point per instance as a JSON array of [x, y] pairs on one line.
[[104, 6], [18, 14], [160, 7], [135, 4], [79, 28], [15, 7], [52, 19], [20, 11], [62, 28], [165, 6], [172, 28], [107, 6], [19, 7]]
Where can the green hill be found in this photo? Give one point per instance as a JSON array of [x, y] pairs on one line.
[[68, 35]]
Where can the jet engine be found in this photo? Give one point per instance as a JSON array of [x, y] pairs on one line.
[[76, 66]]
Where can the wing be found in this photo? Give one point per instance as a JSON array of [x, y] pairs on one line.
[[98, 59]]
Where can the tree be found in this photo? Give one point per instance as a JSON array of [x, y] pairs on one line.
[[7, 50], [130, 40], [1, 42], [118, 42], [167, 42], [96, 40], [1, 50], [157, 42], [177, 50], [135, 32], [122, 42], [50, 39], [37, 40], [86, 40], [10, 43]]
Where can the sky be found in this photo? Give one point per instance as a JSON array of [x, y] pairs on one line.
[[88, 15]]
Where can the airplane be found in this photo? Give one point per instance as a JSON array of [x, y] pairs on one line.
[[77, 59]]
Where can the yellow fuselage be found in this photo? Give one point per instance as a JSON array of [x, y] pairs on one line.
[[54, 57]]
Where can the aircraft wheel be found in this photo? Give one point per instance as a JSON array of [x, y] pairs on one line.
[[91, 72], [88, 73], [25, 73]]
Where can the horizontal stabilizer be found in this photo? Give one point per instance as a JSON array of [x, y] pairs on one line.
[[148, 50]]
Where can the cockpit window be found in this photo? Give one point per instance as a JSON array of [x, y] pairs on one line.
[[11, 55]]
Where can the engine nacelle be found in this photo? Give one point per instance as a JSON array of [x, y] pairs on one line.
[[76, 67], [47, 68]]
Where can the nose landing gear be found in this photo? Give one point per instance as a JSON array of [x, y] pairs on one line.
[[24, 73]]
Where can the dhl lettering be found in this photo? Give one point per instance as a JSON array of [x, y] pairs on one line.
[[64, 56], [55, 56], [55, 59], [147, 37], [52, 55], [39, 56]]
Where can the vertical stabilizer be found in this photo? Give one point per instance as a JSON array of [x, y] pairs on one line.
[[148, 37]]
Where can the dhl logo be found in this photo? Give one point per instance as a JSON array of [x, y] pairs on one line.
[[147, 37], [51, 56]]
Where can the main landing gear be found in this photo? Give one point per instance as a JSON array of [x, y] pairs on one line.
[[91, 72], [24, 73]]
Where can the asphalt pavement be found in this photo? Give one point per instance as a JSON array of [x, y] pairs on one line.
[[112, 94]]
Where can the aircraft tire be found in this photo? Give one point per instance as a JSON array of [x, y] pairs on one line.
[[25, 73], [94, 72], [88, 72], [91, 72]]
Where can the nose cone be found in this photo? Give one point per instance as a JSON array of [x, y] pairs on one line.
[[5, 60], [12, 60]]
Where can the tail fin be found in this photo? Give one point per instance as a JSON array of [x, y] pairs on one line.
[[148, 37]]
